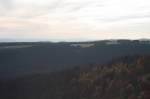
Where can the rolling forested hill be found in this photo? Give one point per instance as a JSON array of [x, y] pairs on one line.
[[19, 59], [123, 78]]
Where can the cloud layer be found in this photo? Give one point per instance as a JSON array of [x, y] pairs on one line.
[[74, 19]]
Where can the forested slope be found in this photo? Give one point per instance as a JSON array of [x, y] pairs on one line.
[[119, 79]]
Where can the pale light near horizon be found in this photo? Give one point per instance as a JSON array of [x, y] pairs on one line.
[[75, 19]]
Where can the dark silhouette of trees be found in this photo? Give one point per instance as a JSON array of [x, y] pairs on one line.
[[120, 80]]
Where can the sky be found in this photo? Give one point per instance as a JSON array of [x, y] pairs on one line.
[[74, 20]]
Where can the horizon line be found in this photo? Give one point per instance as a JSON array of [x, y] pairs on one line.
[[11, 40]]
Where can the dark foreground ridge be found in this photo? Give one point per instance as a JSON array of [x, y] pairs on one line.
[[123, 78]]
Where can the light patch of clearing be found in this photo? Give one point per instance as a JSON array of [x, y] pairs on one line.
[[83, 45], [112, 42], [16, 46]]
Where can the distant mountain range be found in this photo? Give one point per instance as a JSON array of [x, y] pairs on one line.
[[24, 58]]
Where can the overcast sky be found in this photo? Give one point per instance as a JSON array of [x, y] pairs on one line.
[[70, 20]]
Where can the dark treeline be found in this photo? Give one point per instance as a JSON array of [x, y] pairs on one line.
[[123, 78]]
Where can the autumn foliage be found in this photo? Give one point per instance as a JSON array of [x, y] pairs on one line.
[[118, 80]]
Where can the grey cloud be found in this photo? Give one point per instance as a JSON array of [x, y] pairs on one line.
[[6, 3], [79, 6], [72, 6], [122, 18]]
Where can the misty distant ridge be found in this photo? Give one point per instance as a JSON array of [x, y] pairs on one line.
[[109, 42], [84, 44]]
